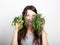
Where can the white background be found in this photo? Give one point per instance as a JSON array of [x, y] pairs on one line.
[[11, 8]]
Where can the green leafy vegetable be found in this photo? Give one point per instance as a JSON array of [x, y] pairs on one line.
[[38, 21], [19, 21]]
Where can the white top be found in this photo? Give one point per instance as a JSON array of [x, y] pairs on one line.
[[28, 40]]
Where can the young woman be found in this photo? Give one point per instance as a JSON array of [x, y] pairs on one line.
[[28, 35]]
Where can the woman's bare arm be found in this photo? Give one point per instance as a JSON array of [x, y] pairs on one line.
[[44, 38], [14, 38]]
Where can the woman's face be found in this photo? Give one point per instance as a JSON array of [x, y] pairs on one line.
[[30, 16]]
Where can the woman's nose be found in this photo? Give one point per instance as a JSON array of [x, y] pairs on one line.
[[31, 18]]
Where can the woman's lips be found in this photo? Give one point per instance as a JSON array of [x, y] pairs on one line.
[[30, 21]]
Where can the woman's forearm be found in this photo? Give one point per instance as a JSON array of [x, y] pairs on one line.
[[14, 39], [44, 38]]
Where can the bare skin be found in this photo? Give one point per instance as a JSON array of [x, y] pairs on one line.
[[14, 39], [30, 16]]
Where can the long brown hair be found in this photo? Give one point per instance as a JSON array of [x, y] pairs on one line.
[[22, 32]]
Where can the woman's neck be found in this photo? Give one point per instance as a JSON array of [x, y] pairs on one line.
[[29, 30]]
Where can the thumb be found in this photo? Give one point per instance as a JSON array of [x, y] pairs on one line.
[[16, 26]]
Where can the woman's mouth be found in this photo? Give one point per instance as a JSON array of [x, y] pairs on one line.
[[30, 21]]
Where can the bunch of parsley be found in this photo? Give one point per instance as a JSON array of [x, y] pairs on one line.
[[38, 21]]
